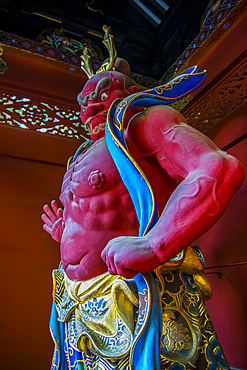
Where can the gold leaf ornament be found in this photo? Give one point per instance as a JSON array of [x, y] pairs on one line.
[[86, 64], [3, 65], [109, 64], [109, 44]]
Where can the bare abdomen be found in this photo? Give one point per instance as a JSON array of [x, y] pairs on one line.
[[89, 224]]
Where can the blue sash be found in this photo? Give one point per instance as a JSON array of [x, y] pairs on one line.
[[145, 352]]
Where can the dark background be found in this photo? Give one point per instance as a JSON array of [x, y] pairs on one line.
[[150, 46]]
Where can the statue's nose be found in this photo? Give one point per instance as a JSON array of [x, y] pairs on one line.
[[94, 108]]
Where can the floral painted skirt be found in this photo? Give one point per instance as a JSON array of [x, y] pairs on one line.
[[94, 326]]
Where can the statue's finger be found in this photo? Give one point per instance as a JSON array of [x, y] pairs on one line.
[[112, 272], [60, 213], [111, 264], [47, 221], [111, 268], [128, 274], [55, 206], [103, 255], [47, 228], [50, 213]]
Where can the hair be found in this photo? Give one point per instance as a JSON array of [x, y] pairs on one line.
[[127, 81], [123, 68]]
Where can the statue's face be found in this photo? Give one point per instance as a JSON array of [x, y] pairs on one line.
[[96, 98]]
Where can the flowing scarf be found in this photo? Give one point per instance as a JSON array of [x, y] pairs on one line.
[[145, 353]]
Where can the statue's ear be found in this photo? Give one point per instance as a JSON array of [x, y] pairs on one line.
[[133, 90]]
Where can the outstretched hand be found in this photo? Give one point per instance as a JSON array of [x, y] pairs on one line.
[[53, 220]]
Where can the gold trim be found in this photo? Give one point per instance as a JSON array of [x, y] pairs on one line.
[[70, 160], [47, 17], [175, 82], [95, 34], [203, 285], [56, 347]]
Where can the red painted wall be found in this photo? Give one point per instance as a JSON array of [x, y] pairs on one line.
[[226, 243], [28, 254]]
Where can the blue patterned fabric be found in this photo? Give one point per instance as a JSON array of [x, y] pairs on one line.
[[57, 330], [63, 353]]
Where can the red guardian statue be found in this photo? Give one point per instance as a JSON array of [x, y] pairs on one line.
[[125, 299]]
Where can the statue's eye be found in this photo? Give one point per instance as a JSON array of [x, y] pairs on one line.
[[104, 96]]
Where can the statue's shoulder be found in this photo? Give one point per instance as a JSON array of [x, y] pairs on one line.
[[145, 128], [157, 115], [82, 149]]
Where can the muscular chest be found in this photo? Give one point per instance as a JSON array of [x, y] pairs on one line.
[[93, 173]]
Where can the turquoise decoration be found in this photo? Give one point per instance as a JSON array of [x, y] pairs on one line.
[[57, 330], [145, 352]]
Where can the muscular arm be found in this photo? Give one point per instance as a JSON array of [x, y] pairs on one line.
[[209, 178]]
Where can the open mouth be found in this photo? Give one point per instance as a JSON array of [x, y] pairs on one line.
[[95, 124]]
